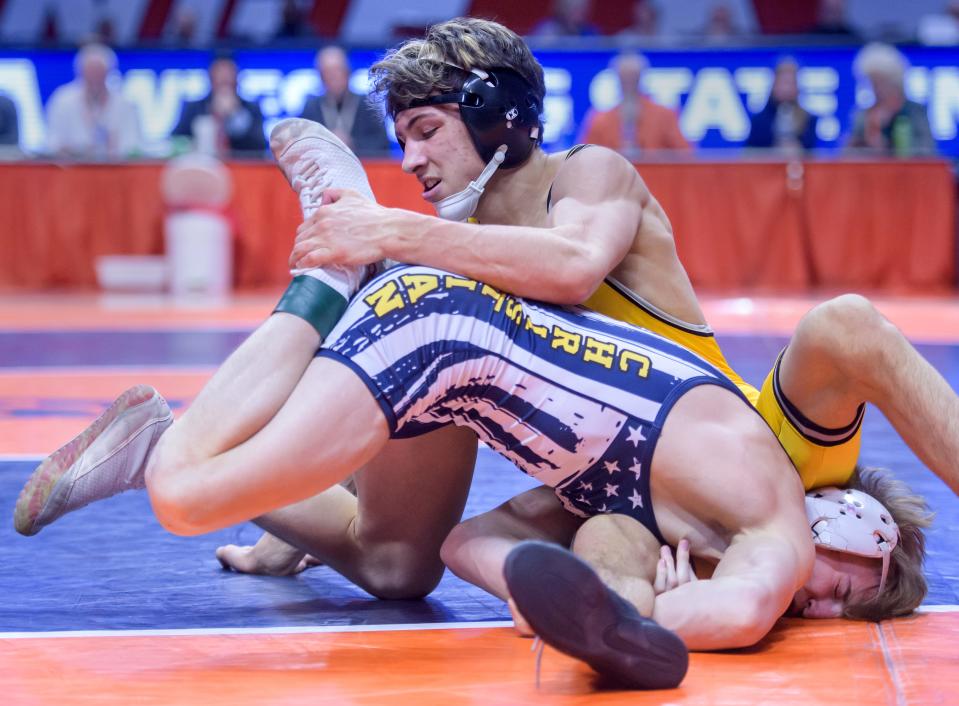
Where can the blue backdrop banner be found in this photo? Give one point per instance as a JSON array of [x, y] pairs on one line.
[[713, 91]]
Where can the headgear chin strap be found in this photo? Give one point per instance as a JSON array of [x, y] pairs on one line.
[[461, 205], [502, 115], [846, 520]]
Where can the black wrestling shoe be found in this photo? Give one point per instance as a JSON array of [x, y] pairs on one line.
[[570, 608]]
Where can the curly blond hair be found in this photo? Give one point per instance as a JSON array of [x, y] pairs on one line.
[[905, 583], [440, 61]]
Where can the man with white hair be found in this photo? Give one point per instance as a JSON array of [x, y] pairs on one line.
[[892, 123], [348, 115], [88, 118]]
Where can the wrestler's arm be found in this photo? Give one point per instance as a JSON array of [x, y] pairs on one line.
[[750, 589], [597, 204]]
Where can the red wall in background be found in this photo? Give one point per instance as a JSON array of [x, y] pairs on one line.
[[785, 16]]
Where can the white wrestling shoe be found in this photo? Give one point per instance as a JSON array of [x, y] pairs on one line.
[[313, 159], [108, 457]]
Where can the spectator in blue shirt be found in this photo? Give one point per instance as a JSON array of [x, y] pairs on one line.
[[238, 123], [783, 123], [9, 122]]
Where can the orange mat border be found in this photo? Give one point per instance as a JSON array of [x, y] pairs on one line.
[[908, 661]]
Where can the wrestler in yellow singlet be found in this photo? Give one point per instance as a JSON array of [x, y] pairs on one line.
[[822, 456]]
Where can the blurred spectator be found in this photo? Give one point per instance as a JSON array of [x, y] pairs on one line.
[[104, 31], [183, 26], [941, 29], [349, 115], [88, 118], [637, 123], [9, 122], [720, 26], [235, 125], [783, 123], [645, 22], [293, 22], [832, 21], [891, 124], [570, 18]]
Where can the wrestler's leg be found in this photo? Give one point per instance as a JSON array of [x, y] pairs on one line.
[[845, 352], [387, 538], [247, 390], [622, 551], [110, 456], [476, 549], [624, 554], [329, 426]]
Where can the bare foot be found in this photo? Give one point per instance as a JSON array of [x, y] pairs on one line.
[[268, 557], [519, 622]]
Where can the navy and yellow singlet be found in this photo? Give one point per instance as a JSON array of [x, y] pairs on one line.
[[575, 399]]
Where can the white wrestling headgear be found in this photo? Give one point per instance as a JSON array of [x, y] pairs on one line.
[[461, 205], [846, 520]]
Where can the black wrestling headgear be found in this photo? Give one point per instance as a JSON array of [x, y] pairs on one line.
[[499, 108]]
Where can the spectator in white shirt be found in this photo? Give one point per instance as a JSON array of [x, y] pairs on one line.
[[88, 118]]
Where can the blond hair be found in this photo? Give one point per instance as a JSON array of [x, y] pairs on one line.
[[905, 584], [440, 61], [877, 58], [94, 52]]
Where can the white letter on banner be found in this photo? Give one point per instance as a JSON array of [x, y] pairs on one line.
[[714, 103], [665, 86], [817, 89], [755, 82], [557, 105], [18, 79], [917, 84], [296, 86], [944, 102], [604, 90], [261, 86], [159, 105]]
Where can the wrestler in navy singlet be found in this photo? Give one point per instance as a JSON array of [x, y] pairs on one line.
[[575, 399]]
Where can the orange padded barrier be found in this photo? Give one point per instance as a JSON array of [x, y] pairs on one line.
[[766, 225]]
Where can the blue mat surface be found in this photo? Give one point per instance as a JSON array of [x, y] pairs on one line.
[[112, 566], [116, 348]]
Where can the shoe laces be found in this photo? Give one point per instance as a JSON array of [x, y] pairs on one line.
[[538, 647], [309, 184]]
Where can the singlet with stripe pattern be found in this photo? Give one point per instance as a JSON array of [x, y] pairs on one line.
[[574, 399]]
